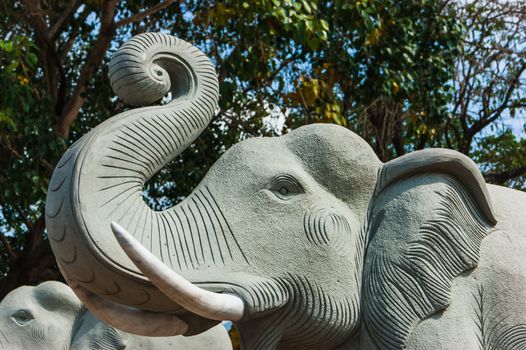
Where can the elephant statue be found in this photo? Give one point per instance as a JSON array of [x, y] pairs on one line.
[[50, 316], [304, 241]]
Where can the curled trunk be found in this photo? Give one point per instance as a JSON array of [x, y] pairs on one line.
[[100, 178]]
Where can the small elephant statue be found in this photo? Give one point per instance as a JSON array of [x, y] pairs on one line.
[[50, 316], [304, 241]]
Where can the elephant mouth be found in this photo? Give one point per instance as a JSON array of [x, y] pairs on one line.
[[203, 303], [260, 295]]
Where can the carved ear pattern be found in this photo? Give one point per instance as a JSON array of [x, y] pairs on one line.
[[324, 225], [90, 333], [427, 230]]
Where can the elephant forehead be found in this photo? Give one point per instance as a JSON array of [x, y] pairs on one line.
[[56, 295], [337, 158], [331, 145], [49, 295], [257, 157], [17, 298], [20, 298], [330, 155]]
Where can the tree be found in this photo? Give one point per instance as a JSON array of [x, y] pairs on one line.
[[389, 70], [386, 72], [50, 54], [490, 90]]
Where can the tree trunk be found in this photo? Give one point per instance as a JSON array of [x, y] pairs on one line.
[[35, 264]]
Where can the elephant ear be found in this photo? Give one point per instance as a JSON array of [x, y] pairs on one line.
[[91, 333], [430, 213]]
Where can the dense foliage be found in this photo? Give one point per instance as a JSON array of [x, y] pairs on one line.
[[403, 74]]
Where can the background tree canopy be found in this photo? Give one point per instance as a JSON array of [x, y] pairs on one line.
[[405, 75]]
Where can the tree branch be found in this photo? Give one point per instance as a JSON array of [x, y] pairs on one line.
[[138, 16], [35, 17], [497, 48], [95, 56], [500, 178], [75, 31], [36, 232], [16, 154], [9, 250], [52, 65], [67, 14], [492, 116]]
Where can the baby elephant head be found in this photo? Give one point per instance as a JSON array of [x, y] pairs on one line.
[[38, 318], [49, 316]]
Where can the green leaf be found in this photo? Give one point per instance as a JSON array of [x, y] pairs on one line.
[[324, 24]]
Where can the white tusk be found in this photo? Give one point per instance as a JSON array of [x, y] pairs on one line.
[[214, 306], [130, 319]]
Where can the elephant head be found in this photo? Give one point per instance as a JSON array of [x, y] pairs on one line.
[[39, 318], [274, 237], [50, 316]]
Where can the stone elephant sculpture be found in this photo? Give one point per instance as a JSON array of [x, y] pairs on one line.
[[305, 241], [50, 316]]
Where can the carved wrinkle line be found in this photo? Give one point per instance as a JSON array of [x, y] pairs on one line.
[[123, 82], [314, 319], [54, 186], [174, 131], [171, 249], [112, 292], [205, 228], [5, 338], [55, 214], [210, 222], [162, 146], [128, 223], [165, 138], [226, 222], [113, 166], [147, 298], [165, 229], [170, 135], [129, 163], [198, 231], [60, 238], [408, 285], [133, 135], [495, 332], [134, 190], [191, 233], [137, 182], [144, 221], [180, 232], [131, 148]]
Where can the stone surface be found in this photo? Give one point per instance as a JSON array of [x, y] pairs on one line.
[[328, 247], [49, 316]]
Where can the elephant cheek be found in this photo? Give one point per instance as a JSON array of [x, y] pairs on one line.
[[46, 334], [3, 338], [325, 226]]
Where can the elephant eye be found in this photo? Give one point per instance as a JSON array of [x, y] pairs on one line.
[[284, 186], [22, 317]]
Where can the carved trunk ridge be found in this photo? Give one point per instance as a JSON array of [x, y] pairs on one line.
[[100, 179]]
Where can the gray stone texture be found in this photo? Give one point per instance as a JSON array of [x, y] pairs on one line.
[[50, 316], [327, 247]]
